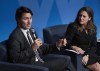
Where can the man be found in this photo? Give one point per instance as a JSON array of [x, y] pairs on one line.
[[25, 47]]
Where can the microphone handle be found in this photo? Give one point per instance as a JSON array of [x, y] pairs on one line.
[[34, 36]]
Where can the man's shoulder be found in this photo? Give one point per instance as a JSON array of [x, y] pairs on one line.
[[15, 33]]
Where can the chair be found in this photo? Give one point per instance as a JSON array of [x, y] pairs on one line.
[[98, 48], [7, 66], [52, 34]]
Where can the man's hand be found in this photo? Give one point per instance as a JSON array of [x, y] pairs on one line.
[[61, 42], [37, 43]]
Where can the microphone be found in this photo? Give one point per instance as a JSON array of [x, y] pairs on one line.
[[34, 34]]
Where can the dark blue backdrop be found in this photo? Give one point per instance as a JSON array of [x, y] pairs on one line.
[[46, 13]]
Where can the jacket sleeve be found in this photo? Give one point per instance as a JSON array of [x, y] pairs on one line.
[[69, 34], [18, 52], [48, 48], [93, 45]]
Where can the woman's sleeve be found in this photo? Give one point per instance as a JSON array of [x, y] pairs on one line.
[[69, 34], [93, 45]]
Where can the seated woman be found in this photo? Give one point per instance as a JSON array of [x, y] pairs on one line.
[[81, 36]]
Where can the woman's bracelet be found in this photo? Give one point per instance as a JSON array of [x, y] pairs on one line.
[[87, 55]]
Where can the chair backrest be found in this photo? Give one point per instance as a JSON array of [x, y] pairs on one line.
[[3, 51], [53, 33]]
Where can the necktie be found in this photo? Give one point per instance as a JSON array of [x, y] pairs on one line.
[[38, 57], [29, 38], [35, 51]]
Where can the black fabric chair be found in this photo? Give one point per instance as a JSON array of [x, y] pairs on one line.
[[98, 48], [7, 66], [52, 34]]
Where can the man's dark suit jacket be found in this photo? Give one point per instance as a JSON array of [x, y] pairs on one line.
[[20, 51]]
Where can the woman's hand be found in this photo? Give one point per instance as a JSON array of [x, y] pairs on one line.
[[78, 50], [85, 59]]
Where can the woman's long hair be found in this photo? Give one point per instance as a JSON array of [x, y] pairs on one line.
[[90, 25]]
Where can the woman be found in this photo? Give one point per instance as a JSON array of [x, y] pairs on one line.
[[81, 36]]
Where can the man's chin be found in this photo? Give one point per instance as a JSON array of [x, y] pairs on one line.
[[27, 28]]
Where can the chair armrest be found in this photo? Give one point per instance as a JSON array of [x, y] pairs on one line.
[[5, 66], [79, 63], [77, 60]]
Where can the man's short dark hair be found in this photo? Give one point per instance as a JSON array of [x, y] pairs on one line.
[[21, 10]]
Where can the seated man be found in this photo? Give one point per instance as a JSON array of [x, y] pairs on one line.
[[25, 47]]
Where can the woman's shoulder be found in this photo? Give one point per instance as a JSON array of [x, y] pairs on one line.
[[72, 24]]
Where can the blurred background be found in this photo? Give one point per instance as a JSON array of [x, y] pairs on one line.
[[46, 13]]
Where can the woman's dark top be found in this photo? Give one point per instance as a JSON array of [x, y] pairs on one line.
[[83, 40]]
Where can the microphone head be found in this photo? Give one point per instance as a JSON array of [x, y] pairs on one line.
[[33, 31], [34, 34]]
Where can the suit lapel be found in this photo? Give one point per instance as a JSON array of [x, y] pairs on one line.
[[87, 36], [31, 35], [23, 38]]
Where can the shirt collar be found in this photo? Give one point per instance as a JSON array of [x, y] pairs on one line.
[[23, 30]]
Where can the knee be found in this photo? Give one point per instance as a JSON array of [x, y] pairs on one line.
[[94, 67], [67, 58], [97, 66]]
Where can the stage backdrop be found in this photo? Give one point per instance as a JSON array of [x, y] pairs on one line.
[[46, 13]]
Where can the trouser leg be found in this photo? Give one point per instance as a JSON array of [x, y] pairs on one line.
[[55, 62]]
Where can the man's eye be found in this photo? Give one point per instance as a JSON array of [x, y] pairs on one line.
[[25, 18]]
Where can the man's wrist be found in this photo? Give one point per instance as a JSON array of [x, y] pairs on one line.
[[58, 47]]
